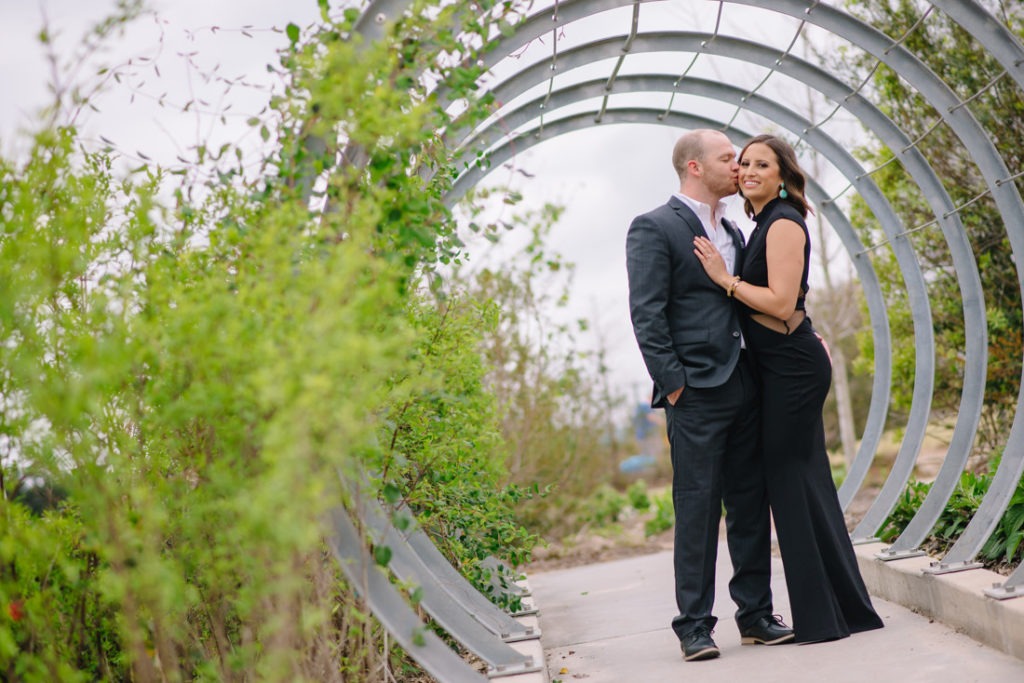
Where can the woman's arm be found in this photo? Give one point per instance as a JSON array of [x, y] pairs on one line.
[[785, 257]]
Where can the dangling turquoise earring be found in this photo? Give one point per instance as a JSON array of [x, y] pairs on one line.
[[782, 191]]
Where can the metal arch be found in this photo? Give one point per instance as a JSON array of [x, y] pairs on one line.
[[672, 41], [993, 168], [847, 235], [391, 608], [889, 133], [377, 15], [975, 19], [989, 162], [883, 49], [858, 177], [997, 39]]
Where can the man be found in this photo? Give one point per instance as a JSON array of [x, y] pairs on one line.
[[689, 334]]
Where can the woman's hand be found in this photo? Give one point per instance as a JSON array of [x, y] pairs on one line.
[[709, 257], [828, 351]]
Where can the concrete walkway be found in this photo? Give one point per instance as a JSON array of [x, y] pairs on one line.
[[609, 623]]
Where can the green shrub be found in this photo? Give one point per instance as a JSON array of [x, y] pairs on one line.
[[554, 399], [196, 374], [664, 514], [1003, 546], [838, 474], [604, 507], [637, 495], [906, 507], [445, 455]]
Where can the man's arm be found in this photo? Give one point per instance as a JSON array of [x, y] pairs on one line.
[[649, 267]]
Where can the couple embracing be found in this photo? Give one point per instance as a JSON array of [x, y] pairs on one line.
[[742, 377]]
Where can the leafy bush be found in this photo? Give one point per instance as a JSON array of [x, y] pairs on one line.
[[445, 451], [556, 408], [1003, 547], [637, 495], [195, 375], [906, 507], [664, 514], [604, 507]]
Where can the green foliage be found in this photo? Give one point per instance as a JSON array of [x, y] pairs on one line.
[[177, 386], [838, 474], [604, 507], [1005, 542], [1003, 546], [444, 452], [557, 409], [906, 507], [954, 56], [637, 495], [196, 375], [664, 514]]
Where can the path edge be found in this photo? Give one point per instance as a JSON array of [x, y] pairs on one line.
[[956, 599]]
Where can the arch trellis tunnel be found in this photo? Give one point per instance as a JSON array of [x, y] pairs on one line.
[[609, 74]]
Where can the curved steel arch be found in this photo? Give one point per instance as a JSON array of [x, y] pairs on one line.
[[986, 157], [979, 146], [1008, 200], [1005, 49], [858, 177], [844, 230], [995, 37], [935, 194]]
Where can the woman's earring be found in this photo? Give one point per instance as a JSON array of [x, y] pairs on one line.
[[782, 191]]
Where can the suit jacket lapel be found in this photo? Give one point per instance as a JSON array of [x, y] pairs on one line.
[[687, 215], [734, 232], [691, 220], [737, 239]]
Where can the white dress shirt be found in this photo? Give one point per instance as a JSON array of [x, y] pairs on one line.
[[717, 233]]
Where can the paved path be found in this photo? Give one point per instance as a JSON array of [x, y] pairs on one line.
[[609, 623]]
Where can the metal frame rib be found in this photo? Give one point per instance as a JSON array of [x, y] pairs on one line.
[[539, 120]]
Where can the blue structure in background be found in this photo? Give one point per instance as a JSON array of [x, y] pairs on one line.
[[642, 425]]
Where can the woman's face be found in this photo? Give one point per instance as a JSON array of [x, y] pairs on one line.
[[760, 177]]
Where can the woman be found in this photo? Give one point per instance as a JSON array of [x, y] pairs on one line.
[[826, 592]]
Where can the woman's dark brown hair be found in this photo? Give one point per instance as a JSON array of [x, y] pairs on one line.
[[789, 171]]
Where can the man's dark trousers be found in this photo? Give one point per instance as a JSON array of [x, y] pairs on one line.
[[713, 433]]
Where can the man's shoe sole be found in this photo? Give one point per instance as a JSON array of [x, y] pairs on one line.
[[706, 653], [753, 640]]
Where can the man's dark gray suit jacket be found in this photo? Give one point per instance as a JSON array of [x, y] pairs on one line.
[[687, 328]]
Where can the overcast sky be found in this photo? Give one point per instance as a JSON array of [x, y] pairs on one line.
[[603, 176]]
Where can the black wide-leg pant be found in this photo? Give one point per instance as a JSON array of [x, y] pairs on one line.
[[713, 434], [827, 595]]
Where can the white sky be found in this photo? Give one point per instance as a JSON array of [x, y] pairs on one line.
[[603, 176]]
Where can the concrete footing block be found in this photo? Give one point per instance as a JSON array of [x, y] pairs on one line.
[[957, 599], [535, 650]]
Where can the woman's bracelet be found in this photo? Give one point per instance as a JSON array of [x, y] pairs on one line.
[[731, 289]]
